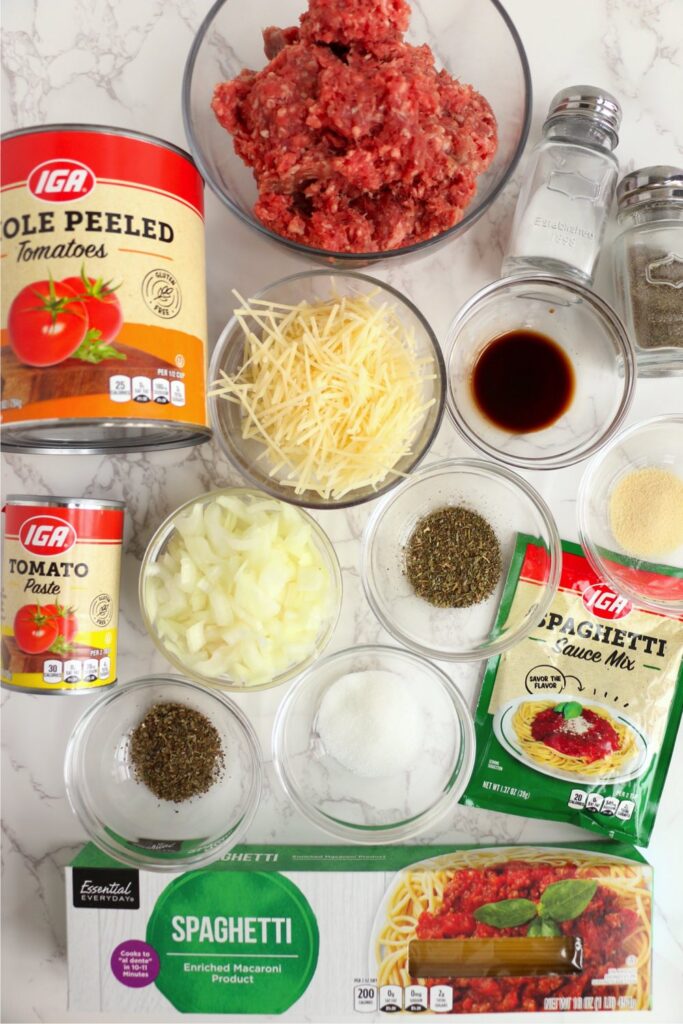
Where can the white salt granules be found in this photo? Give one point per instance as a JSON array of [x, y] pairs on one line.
[[372, 723]]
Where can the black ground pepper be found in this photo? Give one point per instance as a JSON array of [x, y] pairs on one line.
[[176, 752], [452, 558], [656, 298]]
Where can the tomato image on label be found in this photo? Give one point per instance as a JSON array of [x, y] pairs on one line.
[[35, 630], [65, 620], [46, 323], [105, 317]]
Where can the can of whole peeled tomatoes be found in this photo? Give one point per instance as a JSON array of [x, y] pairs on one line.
[[60, 593], [104, 297]]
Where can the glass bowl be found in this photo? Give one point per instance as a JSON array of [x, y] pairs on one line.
[[476, 42], [511, 506], [312, 286], [123, 817], [591, 335], [658, 443], [391, 808], [158, 545]]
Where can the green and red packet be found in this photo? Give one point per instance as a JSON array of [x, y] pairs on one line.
[[596, 650]]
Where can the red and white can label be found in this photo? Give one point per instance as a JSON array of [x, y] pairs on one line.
[[61, 570]]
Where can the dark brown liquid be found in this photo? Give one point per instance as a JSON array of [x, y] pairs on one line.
[[523, 381]]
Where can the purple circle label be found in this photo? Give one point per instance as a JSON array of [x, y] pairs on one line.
[[135, 963]]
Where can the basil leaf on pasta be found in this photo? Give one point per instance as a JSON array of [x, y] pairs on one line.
[[563, 901], [544, 927], [506, 913]]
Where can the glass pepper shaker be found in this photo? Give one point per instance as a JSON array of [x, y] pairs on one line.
[[568, 187], [648, 267]]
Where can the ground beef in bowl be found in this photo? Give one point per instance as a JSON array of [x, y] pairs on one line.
[[357, 142]]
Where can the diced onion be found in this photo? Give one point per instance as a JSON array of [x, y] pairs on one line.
[[242, 590], [333, 390]]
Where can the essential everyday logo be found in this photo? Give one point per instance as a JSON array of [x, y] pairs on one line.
[[47, 535], [61, 181], [605, 603], [106, 888]]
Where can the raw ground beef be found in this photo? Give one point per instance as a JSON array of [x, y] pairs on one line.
[[357, 142]]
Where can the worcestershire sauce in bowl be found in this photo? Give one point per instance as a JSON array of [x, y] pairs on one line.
[[523, 381]]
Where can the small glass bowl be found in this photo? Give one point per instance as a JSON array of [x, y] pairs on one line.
[[511, 506], [158, 545], [123, 817], [658, 443], [591, 335], [312, 286], [477, 43], [374, 810]]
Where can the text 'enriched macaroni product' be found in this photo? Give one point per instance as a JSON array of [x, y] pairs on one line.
[[577, 722], [347, 933]]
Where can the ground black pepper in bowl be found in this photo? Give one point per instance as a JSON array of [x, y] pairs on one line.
[[176, 752], [452, 558]]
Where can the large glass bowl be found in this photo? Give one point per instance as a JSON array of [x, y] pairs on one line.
[[655, 583], [513, 509], [158, 545], [123, 817], [475, 42], [318, 286], [592, 337], [388, 809]]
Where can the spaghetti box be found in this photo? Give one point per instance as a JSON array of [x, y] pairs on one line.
[[333, 933]]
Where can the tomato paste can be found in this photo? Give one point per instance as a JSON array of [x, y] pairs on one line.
[[103, 310], [60, 593]]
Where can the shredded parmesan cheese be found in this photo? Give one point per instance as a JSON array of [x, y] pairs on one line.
[[333, 390], [577, 726]]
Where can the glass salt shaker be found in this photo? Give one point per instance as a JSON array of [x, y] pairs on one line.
[[568, 188], [648, 267]]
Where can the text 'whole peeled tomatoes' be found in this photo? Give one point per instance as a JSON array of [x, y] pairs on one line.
[[104, 304]]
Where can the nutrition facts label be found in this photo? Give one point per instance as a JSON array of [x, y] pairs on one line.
[[609, 806], [396, 998], [76, 670], [141, 389]]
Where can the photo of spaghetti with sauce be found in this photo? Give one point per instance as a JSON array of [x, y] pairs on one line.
[[606, 905], [569, 739], [572, 737]]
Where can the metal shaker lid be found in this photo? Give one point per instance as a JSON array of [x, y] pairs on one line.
[[661, 183], [587, 101]]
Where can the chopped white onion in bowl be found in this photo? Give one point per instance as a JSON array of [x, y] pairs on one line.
[[240, 589]]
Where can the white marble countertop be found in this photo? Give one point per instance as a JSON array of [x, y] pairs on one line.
[[120, 62]]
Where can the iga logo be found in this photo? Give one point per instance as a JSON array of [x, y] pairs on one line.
[[47, 535], [601, 600], [61, 181]]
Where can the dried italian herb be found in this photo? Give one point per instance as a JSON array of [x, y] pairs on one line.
[[176, 752], [452, 558]]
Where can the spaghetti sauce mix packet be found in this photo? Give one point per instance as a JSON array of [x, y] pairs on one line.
[[577, 722]]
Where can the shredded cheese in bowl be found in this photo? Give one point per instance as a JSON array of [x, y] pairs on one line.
[[334, 393]]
